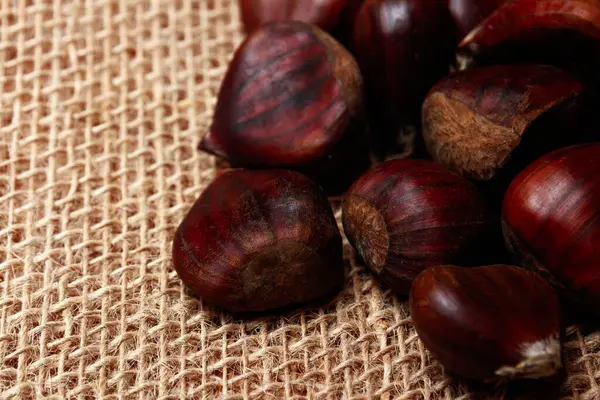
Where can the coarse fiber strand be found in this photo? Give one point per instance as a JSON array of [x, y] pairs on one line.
[[102, 104]]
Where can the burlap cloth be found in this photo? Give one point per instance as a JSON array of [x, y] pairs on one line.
[[101, 106]]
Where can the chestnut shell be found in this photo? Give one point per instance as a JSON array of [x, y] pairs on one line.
[[403, 47], [551, 220], [405, 215], [565, 33], [259, 240], [322, 13], [492, 322], [292, 98], [491, 120]]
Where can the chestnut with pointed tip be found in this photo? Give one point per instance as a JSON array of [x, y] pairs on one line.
[[518, 19], [292, 98], [565, 33], [551, 220], [259, 240], [403, 47], [494, 322], [322, 13], [484, 121], [405, 215]]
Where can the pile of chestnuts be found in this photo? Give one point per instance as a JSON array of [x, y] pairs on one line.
[[320, 100]]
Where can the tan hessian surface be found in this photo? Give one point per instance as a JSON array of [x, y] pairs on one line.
[[101, 106]]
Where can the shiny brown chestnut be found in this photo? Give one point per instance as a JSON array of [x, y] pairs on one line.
[[259, 240], [469, 13], [292, 98], [565, 33], [495, 322], [405, 215], [484, 121], [322, 13], [551, 220], [403, 47]]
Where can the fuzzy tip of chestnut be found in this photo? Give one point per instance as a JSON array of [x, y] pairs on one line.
[[496, 322], [291, 98], [405, 215], [260, 240], [550, 218], [482, 120]]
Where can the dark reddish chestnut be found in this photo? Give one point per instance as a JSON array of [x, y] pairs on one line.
[[495, 322], [484, 121], [292, 98], [565, 33], [405, 215], [403, 48], [259, 240], [519, 19], [469, 13], [325, 14], [551, 220]]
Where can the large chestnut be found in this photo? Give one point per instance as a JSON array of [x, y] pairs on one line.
[[405, 215], [292, 98], [551, 220], [403, 48], [322, 13], [493, 323], [259, 240], [491, 121], [565, 33]]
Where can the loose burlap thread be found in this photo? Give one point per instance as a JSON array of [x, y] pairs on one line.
[[102, 103]]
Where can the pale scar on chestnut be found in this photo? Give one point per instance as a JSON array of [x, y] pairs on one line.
[[368, 230]]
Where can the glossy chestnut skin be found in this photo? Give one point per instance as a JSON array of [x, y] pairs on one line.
[[403, 47], [259, 240], [565, 33], [322, 13], [292, 98], [403, 216], [520, 18], [493, 322], [490, 123], [551, 220], [469, 13]]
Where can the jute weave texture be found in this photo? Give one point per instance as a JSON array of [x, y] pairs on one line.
[[102, 103]]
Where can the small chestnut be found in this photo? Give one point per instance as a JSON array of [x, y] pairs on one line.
[[551, 220], [322, 13], [405, 215], [259, 240], [403, 47], [292, 98], [484, 121], [494, 322]]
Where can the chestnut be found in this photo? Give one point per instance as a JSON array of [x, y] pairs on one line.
[[405, 215], [292, 98], [403, 47], [259, 240], [565, 33], [469, 13], [322, 13], [489, 123], [551, 220], [494, 322]]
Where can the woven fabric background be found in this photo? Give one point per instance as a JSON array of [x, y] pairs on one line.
[[102, 103]]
